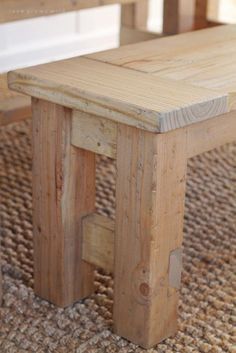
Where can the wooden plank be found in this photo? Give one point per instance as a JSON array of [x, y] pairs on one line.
[[94, 134], [205, 58], [14, 109], [150, 196], [98, 247], [151, 55], [12, 10], [212, 133], [202, 137], [130, 35], [147, 102], [98, 241], [63, 193]]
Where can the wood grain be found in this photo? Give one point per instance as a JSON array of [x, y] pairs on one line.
[[205, 58], [147, 102], [165, 51], [212, 133], [98, 241], [63, 193], [94, 133], [150, 195]]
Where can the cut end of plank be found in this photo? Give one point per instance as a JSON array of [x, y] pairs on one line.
[[208, 108]]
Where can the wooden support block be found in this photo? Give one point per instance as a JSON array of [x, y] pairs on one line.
[[63, 193], [94, 133], [146, 101], [211, 133], [98, 241], [150, 195]]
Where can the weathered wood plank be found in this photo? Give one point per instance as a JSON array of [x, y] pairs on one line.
[[63, 192], [150, 103], [150, 196], [202, 136], [98, 241], [212, 133], [205, 58], [165, 51], [94, 133]]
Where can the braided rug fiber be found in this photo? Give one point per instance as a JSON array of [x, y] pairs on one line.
[[207, 304]]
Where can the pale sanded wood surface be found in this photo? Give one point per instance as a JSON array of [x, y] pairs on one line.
[[205, 58], [98, 247], [210, 134], [134, 98], [94, 133], [19, 9], [63, 192], [150, 189], [98, 241], [100, 135]]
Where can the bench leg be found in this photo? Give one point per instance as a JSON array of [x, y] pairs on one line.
[[151, 175], [184, 16], [63, 192], [134, 17]]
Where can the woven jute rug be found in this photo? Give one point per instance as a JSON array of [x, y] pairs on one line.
[[207, 305]]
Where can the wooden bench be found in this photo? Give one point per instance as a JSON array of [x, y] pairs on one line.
[[150, 106], [15, 107]]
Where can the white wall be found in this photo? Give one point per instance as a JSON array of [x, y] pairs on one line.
[[33, 41]]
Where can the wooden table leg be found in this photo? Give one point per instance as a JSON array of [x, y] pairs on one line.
[[151, 173], [63, 192]]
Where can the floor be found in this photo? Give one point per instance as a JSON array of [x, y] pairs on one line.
[[207, 304]]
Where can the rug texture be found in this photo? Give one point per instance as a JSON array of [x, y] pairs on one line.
[[207, 313]]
